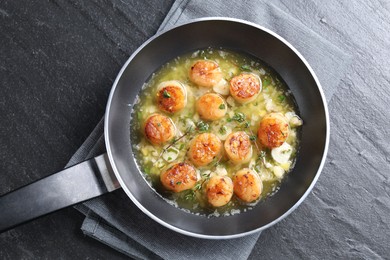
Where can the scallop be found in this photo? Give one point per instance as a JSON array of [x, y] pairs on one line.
[[211, 107], [247, 185], [245, 87], [273, 130], [171, 96], [219, 190], [179, 177], [238, 147], [204, 148], [205, 73], [159, 129]]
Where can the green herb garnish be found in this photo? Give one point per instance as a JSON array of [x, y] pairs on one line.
[[178, 183], [222, 130], [190, 196], [198, 186], [239, 117], [222, 106], [281, 98], [202, 126], [266, 82], [262, 155], [166, 94], [245, 67], [252, 138]]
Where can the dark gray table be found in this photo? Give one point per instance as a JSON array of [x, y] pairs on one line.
[[58, 60]]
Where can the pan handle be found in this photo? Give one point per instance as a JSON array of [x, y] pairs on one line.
[[75, 184]]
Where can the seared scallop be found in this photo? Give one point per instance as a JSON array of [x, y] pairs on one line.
[[159, 129], [205, 73], [245, 87], [204, 148], [171, 96], [211, 107], [273, 130], [247, 185], [219, 190], [238, 147], [179, 177]]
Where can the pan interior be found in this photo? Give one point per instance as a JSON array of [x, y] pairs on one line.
[[242, 37]]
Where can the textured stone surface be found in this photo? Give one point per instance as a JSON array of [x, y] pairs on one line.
[[59, 59]]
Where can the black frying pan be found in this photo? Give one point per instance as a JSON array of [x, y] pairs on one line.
[[118, 168]]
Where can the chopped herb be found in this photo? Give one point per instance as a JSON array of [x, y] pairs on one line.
[[252, 138], [190, 196], [222, 130], [169, 158], [172, 150], [239, 117], [181, 146], [245, 67], [266, 82], [255, 104], [222, 106], [228, 120], [158, 124], [189, 129], [166, 94], [202, 126], [139, 115], [262, 155], [198, 186], [281, 98], [147, 170], [178, 183], [246, 124]]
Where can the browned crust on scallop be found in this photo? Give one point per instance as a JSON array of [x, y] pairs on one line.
[[205, 73], [204, 148], [208, 105], [179, 177], [175, 101], [217, 188], [245, 86], [238, 144], [247, 186], [273, 131], [159, 129]]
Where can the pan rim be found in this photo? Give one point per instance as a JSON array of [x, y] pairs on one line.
[[168, 225]]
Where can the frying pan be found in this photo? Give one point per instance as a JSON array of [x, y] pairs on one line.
[[117, 168]]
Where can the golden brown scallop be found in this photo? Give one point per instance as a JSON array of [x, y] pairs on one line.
[[211, 107], [219, 190], [245, 87], [171, 96], [179, 177], [273, 130], [238, 147], [159, 129], [204, 148], [247, 185], [205, 73]]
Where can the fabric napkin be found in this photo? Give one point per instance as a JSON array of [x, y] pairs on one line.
[[114, 220]]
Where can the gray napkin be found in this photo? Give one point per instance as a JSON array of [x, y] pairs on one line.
[[114, 220]]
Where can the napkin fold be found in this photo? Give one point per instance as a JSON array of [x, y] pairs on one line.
[[115, 221]]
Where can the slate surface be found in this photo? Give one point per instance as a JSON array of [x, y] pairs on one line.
[[58, 60]]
